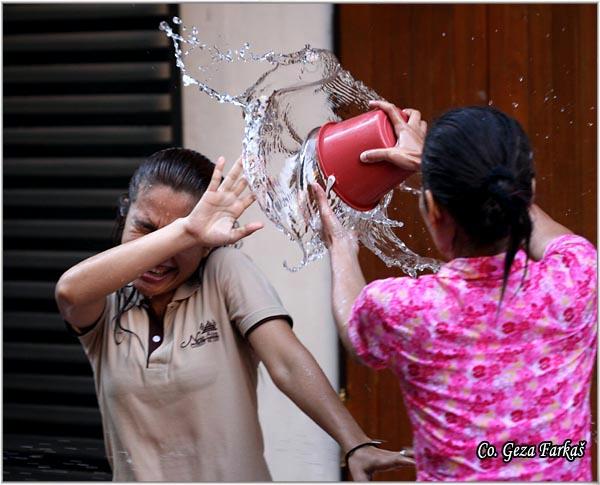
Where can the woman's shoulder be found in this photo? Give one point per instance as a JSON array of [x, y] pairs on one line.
[[568, 256], [401, 283], [570, 243], [228, 260], [226, 255], [397, 292]]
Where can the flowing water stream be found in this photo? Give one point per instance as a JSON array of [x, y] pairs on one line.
[[295, 94]]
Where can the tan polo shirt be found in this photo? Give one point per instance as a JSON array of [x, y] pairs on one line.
[[187, 412]]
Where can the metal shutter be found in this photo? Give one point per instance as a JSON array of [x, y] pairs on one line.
[[89, 91]]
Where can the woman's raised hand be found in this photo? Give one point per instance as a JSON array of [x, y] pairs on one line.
[[212, 221], [406, 154], [332, 231]]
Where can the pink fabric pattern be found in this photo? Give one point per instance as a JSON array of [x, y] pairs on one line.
[[469, 373]]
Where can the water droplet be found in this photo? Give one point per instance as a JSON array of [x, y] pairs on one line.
[[515, 105], [590, 124], [188, 80], [472, 38], [490, 102], [521, 79], [177, 20], [443, 34]]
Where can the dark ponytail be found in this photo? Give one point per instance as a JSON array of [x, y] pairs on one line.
[[478, 164]]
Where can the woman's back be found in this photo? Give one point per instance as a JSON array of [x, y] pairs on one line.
[[470, 374]]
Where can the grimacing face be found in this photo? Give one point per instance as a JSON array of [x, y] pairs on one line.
[[156, 207]]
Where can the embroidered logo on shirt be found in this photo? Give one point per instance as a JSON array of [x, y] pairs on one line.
[[207, 333]]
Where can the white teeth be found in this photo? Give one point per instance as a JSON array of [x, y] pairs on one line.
[[158, 273]]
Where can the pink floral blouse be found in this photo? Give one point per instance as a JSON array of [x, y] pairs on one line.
[[470, 374]]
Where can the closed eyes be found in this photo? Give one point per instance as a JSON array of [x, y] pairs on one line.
[[144, 225]]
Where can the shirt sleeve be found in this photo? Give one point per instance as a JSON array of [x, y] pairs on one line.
[[569, 266], [369, 329], [250, 299], [91, 336]]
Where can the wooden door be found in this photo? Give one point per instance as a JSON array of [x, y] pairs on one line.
[[535, 62]]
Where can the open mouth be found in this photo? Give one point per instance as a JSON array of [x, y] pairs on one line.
[[157, 274]]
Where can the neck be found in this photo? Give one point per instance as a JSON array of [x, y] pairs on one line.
[[463, 248], [159, 303]]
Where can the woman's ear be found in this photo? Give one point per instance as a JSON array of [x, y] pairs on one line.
[[432, 208], [441, 225], [123, 205]]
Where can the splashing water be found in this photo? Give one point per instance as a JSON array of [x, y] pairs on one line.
[[297, 93]]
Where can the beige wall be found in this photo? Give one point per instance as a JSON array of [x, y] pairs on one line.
[[296, 449]]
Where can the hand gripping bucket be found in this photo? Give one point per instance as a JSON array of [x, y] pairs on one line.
[[339, 145]]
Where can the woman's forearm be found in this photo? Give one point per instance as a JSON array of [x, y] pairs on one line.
[[298, 375], [306, 385], [88, 283], [347, 281], [545, 229]]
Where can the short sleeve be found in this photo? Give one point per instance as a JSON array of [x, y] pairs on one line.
[[370, 331], [570, 275], [572, 249], [91, 337], [249, 297]]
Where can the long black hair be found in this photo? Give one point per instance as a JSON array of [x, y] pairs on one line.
[[180, 169], [478, 164]]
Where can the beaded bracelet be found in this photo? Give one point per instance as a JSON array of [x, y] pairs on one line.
[[357, 447]]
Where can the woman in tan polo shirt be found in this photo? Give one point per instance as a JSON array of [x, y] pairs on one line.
[[174, 325]]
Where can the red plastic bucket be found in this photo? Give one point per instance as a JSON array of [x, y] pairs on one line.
[[339, 145]]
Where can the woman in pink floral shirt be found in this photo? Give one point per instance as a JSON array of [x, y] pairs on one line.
[[494, 353]]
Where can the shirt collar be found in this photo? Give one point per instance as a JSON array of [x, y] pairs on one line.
[[183, 292], [481, 267], [186, 290]]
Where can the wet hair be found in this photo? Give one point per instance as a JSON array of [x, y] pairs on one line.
[[180, 169], [478, 164]]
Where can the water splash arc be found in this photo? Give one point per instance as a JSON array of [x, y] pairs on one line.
[[297, 93]]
